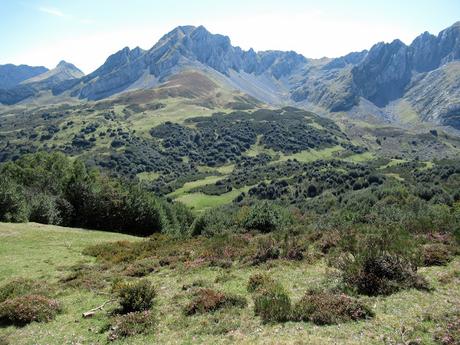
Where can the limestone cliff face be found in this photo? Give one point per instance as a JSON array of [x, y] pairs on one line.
[[387, 72]]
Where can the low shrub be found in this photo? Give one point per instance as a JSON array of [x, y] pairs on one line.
[[326, 308], [272, 303], [22, 286], [259, 280], [208, 300], [84, 276], [328, 241], [112, 252], [135, 323], [436, 254], [382, 275], [22, 310], [292, 249], [266, 217], [266, 249], [136, 296], [140, 268]]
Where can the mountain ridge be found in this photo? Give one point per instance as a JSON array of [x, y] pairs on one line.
[[383, 75]]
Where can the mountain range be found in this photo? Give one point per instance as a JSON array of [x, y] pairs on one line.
[[391, 81]]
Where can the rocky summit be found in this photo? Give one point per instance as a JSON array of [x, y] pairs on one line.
[[384, 78]]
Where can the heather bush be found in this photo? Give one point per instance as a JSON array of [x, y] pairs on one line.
[[29, 308], [436, 254], [266, 249], [326, 308], [135, 323], [22, 286], [272, 303], [140, 268], [208, 300], [258, 281], [85, 277], [136, 296], [378, 261]]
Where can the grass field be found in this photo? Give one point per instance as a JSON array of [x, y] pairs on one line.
[[200, 201], [38, 251], [199, 183]]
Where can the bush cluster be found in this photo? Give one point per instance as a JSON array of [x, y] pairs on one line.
[[29, 308], [52, 189]]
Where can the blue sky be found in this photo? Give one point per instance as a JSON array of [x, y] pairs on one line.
[[85, 32]]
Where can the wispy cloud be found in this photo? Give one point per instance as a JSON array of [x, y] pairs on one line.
[[52, 11]]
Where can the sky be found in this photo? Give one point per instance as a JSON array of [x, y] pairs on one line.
[[86, 32]]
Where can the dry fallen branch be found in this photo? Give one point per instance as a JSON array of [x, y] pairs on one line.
[[93, 311]]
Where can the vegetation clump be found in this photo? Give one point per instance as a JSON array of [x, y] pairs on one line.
[[259, 280], [326, 308], [207, 300], [382, 275], [265, 217], [266, 249], [134, 323], [436, 254], [272, 303], [85, 277], [136, 296], [22, 286], [23, 310]]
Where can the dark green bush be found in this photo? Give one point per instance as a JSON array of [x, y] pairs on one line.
[[13, 204], [44, 209], [215, 221], [378, 260], [142, 322], [272, 303], [326, 308], [26, 309], [136, 296], [266, 217], [382, 275], [208, 300]]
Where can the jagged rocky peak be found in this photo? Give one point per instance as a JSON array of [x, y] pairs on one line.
[[384, 73]]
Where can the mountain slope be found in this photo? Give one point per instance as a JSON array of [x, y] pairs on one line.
[[11, 75], [385, 74], [46, 81]]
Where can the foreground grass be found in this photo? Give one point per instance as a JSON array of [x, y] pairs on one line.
[[38, 251]]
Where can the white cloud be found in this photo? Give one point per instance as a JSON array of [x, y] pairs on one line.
[[52, 11]]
